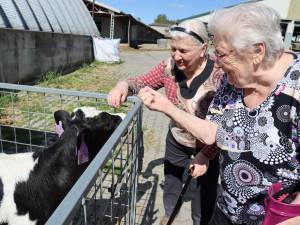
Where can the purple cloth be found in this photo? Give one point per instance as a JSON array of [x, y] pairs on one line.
[[59, 129], [83, 152]]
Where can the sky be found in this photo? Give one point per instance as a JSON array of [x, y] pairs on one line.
[[148, 10]]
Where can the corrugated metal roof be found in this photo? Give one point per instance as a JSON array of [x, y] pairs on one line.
[[68, 16]]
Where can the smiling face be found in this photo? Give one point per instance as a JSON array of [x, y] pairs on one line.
[[185, 54], [239, 68]]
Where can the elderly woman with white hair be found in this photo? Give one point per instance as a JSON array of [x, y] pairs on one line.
[[190, 80], [254, 116]]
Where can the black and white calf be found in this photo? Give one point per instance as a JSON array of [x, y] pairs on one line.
[[33, 184]]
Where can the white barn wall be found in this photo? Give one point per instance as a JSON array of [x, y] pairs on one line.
[[281, 6]]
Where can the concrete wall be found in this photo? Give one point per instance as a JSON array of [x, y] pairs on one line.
[[26, 54]]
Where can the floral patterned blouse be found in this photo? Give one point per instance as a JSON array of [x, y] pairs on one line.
[[257, 148], [194, 99]]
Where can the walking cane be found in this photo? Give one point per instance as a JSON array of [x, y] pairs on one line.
[[178, 203]]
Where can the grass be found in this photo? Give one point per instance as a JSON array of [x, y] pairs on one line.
[[94, 77], [36, 108], [7, 100]]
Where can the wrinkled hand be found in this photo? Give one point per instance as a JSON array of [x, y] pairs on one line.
[[118, 95], [155, 101], [200, 165]]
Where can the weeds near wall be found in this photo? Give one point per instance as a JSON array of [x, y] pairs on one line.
[[49, 77]]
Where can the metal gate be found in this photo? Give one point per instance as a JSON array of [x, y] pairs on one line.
[[106, 192]]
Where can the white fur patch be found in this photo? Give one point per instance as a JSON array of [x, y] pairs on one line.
[[88, 111], [91, 112], [13, 169]]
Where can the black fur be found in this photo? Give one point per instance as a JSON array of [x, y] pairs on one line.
[[57, 170]]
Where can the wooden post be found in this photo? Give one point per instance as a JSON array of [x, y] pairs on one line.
[[93, 9], [128, 32]]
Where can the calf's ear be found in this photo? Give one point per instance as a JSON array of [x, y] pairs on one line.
[[63, 116]]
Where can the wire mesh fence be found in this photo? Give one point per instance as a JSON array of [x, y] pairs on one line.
[[106, 191]]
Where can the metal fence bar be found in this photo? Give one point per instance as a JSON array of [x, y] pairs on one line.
[[67, 209], [12, 105], [97, 172], [28, 116], [60, 91]]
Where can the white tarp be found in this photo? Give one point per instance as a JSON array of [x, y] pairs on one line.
[[106, 50]]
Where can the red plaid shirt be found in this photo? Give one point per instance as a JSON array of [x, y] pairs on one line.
[[162, 76]]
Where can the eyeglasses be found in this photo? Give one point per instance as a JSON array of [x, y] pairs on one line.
[[220, 58]]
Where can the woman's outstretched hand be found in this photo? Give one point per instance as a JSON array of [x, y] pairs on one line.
[[155, 101], [118, 95]]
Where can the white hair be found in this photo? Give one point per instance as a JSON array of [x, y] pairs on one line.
[[247, 24], [198, 27]]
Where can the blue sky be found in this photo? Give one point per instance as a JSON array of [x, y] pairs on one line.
[[148, 10]]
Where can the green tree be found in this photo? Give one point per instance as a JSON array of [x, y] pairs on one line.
[[162, 18]]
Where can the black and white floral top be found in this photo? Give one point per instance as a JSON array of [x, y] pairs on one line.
[[258, 147]]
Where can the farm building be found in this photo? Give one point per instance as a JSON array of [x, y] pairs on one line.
[[113, 23], [38, 36], [161, 27], [41, 36], [289, 11]]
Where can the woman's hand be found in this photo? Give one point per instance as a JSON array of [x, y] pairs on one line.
[[199, 164], [118, 94], [156, 101]]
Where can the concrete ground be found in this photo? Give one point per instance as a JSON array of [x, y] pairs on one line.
[[150, 208]]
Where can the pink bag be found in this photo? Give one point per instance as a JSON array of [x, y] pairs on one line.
[[278, 211]]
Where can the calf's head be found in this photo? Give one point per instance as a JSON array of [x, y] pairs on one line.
[[93, 129]]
